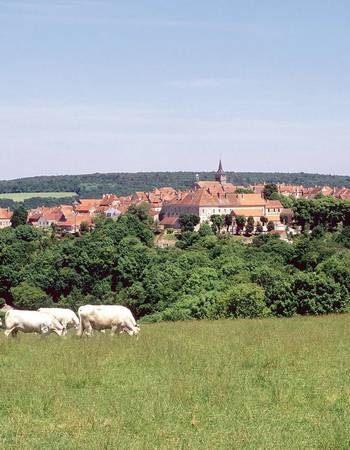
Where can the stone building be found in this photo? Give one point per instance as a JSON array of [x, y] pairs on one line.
[[219, 197]]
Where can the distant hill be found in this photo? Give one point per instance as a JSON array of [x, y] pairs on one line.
[[94, 185]]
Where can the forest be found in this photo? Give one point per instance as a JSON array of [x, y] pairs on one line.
[[207, 274], [94, 185]]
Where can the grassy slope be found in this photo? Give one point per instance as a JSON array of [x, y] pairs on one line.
[[20, 196], [269, 384]]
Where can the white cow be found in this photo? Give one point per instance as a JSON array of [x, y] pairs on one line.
[[66, 316], [31, 322], [103, 317]]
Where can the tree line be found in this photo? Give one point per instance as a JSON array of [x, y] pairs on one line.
[[206, 275], [94, 185]]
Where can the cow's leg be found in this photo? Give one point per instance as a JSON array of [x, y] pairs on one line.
[[88, 329], [64, 324], [114, 329], [11, 332]]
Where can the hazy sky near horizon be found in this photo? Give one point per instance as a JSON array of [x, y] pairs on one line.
[[153, 85]]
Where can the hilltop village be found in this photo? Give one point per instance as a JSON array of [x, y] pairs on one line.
[[165, 205]]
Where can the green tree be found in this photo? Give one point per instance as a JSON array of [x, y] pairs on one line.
[[264, 220], [240, 223], [19, 216], [141, 212], [302, 213], [259, 227], [249, 229], [27, 296], [228, 221], [246, 300], [217, 222], [269, 190], [84, 227], [284, 218], [270, 226], [318, 294], [205, 230], [344, 236], [188, 222], [242, 190]]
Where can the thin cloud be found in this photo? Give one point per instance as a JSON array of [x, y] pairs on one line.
[[71, 12], [200, 83]]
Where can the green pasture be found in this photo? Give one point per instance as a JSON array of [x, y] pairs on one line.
[[21, 196], [230, 384]]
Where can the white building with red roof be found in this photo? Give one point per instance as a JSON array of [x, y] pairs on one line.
[[5, 217], [219, 197]]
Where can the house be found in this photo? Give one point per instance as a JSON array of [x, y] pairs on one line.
[[109, 200], [87, 205], [44, 217], [342, 193], [290, 190], [72, 223], [112, 212], [312, 192], [5, 217], [170, 222]]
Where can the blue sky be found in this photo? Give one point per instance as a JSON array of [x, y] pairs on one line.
[[108, 86]]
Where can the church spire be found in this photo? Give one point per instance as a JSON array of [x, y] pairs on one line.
[[220, 175]]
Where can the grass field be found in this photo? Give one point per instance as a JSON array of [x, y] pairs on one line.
[[21, 196], [244, 384]]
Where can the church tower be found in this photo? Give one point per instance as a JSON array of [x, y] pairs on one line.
[[220, 175]]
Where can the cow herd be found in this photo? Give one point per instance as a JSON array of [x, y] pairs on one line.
[[116, 318]]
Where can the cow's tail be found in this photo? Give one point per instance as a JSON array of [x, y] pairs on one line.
[[81, 327]]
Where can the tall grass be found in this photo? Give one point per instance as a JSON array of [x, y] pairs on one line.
[[250, 384]]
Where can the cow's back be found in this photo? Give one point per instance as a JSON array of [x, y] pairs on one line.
[[63, 315], [105, 316], [27, 320]]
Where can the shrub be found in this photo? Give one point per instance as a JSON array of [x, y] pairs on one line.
[[206, 305], [318, 294], [205, 230], [246, 300], [279, 297]]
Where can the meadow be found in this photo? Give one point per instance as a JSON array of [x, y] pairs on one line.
[[21, 196], [245, 384]]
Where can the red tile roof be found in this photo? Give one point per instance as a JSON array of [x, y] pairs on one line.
[[72, 220], [5, 214], [171, 220]]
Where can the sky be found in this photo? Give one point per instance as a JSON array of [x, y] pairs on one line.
[[124, 86]]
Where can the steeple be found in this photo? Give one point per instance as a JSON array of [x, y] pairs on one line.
[[220, 175]]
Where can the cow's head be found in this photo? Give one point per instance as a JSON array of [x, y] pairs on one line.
[[59, 329], [136, 330]]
